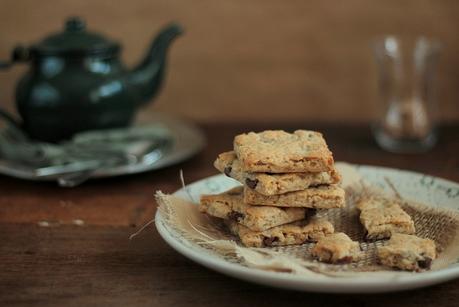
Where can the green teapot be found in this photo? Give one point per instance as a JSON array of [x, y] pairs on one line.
[[76, 82]]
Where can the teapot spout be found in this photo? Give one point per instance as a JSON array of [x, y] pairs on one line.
[[146, 78]]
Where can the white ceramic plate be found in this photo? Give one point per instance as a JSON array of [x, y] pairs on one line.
[[414, 186]]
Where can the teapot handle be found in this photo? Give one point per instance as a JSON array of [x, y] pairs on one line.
[[19, 54]]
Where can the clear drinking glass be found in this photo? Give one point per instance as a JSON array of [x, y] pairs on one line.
[[406, 113]]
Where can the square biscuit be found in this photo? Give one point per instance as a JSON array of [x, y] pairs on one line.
[[272, 184], [337, 248], [230, 205], [383, 217], [277, 151], [321, 197], [289, 234], [407, 252]]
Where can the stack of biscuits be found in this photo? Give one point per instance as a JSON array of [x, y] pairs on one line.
[[285, 178]]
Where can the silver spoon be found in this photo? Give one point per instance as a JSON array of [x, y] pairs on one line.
[[146, 154]]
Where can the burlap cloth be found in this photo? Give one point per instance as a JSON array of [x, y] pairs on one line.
[[203, 232]]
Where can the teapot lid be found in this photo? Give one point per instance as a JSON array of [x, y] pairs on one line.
[[75, 41]]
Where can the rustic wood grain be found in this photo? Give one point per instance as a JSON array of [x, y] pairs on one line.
[[258, 60], [95, 264]]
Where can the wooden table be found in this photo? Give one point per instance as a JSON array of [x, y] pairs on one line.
[[70, 246]]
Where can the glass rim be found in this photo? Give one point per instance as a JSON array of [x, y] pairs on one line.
[[378, 43]]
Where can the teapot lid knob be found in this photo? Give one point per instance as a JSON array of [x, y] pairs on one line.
[[75, 24], [75, 41]]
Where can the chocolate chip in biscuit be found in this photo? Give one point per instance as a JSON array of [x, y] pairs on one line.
[[268, 241], [425, 263], [310, 212], [344, 260], [228, 170], [235, 216], [251, 183]]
